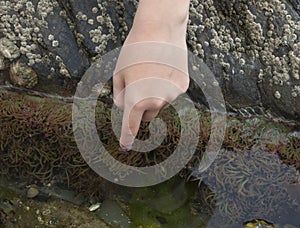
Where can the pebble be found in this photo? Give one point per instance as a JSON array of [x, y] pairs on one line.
[[113, 214], [94, 207], [32, 192]]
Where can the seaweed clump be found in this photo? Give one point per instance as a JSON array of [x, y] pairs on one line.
[[36, 137], [37, 141]]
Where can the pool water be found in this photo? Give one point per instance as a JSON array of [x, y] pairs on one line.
[[254, 181]]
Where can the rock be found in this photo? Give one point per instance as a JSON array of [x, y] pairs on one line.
[[40, 32], [252, 48], [252, 52], [8, 49], [60, 41], [22, 75], [289, 226], [32, 192], [95, 28], [113, 214]]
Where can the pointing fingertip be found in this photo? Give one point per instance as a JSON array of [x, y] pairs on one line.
[[125, 148]]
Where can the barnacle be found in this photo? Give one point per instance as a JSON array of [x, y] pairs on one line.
[[8, 49], [101, 89]]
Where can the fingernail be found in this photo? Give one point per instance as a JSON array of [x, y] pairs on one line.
[[124, 148]]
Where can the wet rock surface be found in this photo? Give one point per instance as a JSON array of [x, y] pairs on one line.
[[60, 40], [52, 206], [252, 47]]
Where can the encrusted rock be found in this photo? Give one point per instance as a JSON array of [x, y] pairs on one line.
[[101, 89], [253, 50], [22, 75], [3, 64], [252, 47]]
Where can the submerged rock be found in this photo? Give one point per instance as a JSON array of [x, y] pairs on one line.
[[113, 214], [32, 192]]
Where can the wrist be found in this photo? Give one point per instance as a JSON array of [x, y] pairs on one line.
[[163, 12], [160, 20], [154, 31]]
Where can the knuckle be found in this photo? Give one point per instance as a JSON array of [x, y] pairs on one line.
[[156, 105], [149, 104], [118, 103], [116, 77], [140, 106]]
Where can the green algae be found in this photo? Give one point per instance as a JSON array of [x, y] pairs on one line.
[[168, 204], [7, 194]]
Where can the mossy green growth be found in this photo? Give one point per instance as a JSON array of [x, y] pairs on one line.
[[168, 204], [7, 194]]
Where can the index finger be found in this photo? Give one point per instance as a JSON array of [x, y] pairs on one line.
[[131, 121]]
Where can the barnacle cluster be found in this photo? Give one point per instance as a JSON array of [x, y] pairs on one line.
[[247, 44], [8, 52], [33, 27], [253, 41], [21, 26], [101, 30], [8, 49], [264, 39]]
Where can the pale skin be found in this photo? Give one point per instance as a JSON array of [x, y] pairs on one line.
[[155, 21]]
